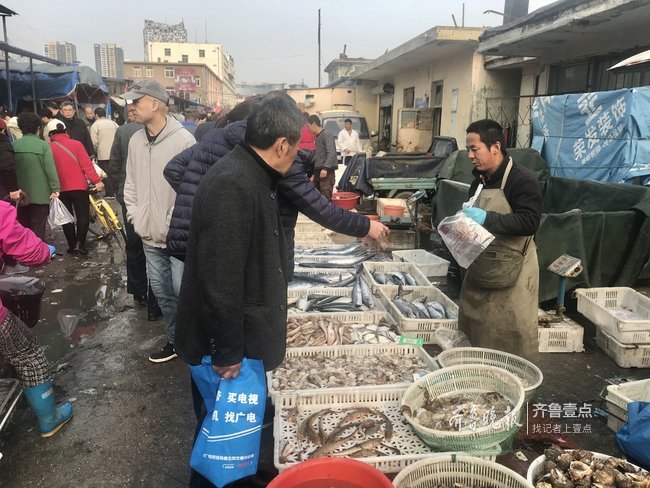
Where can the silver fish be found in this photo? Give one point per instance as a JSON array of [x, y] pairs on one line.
[[366, 294], [409, 279], [436, 310]]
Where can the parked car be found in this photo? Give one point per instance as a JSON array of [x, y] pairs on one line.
[[332, 121]]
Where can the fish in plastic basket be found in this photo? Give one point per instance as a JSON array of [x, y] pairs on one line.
[[464, 238]]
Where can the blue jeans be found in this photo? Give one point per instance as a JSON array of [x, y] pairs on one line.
[[177, 274], [159, 270]]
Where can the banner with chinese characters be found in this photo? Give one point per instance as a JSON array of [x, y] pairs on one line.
[[184, 79], [603, 136]]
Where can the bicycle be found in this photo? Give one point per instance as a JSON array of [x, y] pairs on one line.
[[104, 223]]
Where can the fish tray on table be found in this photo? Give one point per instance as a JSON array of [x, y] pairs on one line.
[[625, 355], [559, 336], [385, 267], [345, 318], [621, 312], [294, 295], [292, 410], [420, 328], [330, 272], [356, 350]]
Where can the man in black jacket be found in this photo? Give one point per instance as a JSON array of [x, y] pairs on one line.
[[76, 127], [295, 193], [325, 162], [233, 296]]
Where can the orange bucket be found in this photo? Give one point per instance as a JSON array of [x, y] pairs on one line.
[[331, 473], [394, 211]]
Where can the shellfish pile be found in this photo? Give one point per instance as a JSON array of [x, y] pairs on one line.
[[580, 469], [462, 412], [322, 371]]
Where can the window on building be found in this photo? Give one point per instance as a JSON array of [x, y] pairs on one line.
[[201, 53], [168, 51], [149, 71], [136, 72], [198, 81], [409, 97], [169, 72], [184, 58]]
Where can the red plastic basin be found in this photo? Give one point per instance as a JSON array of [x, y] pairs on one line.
[[345, 199], [331, 473]]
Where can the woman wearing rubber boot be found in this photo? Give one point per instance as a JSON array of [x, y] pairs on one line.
[[18, 344]]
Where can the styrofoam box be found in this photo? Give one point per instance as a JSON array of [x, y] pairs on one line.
[[625, 355], [622, 312], [382, 202], [420, 328], [308, 227], [429, 264], [565, 336], [370, 267], [632, 391], [354, 350], [301, 406], [313, 239]]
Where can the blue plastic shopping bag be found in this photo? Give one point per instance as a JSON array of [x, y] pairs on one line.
[[633, 439], [228, 445]]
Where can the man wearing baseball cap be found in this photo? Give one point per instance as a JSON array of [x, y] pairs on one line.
[[149, 198]]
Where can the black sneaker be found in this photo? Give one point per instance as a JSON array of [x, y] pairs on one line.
[[166, 354]]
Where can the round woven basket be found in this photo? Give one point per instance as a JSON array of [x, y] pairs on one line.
[[529, 374], [448, 468], [468, 379]]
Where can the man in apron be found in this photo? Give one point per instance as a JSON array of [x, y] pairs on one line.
[[499, 296]]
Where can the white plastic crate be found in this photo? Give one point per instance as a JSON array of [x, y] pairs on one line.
[[387, 267], [332, 291], [334, 272], [565, 336], [323, 259], [370, 318], [300, 406], [429, 264], [417, 325], [614, 423], [625, 355], [632, 391], [622, 312], [363, 350]]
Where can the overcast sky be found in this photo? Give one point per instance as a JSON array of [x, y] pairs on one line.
[[271, 40]]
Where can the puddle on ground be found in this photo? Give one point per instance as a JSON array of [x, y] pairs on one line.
[[87, 287]]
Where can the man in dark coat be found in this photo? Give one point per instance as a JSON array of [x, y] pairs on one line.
[[233, 297], [76, 127], [295, 193]]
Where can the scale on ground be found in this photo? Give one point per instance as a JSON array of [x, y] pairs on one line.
[[565, 267], [412, 208]]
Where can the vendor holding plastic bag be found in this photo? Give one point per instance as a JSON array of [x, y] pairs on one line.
[[499, 295]]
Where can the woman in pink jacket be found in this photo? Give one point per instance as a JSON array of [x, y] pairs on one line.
[[18, 344], [74, 169]]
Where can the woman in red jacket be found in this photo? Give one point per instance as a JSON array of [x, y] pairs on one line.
[[18, 344], [75, 170]]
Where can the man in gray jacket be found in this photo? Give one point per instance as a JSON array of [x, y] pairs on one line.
[[325, 162], [149, 198]]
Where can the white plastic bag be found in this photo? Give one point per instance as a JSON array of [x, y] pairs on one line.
[[464, 238], [100, 172], [448, 338], [59, 214]]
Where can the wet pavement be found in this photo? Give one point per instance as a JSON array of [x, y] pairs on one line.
[[134, 422]]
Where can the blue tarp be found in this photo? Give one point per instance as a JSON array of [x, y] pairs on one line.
[[603, 136], [51, 82]]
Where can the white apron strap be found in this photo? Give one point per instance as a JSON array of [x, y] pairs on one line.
[[506, 174]]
